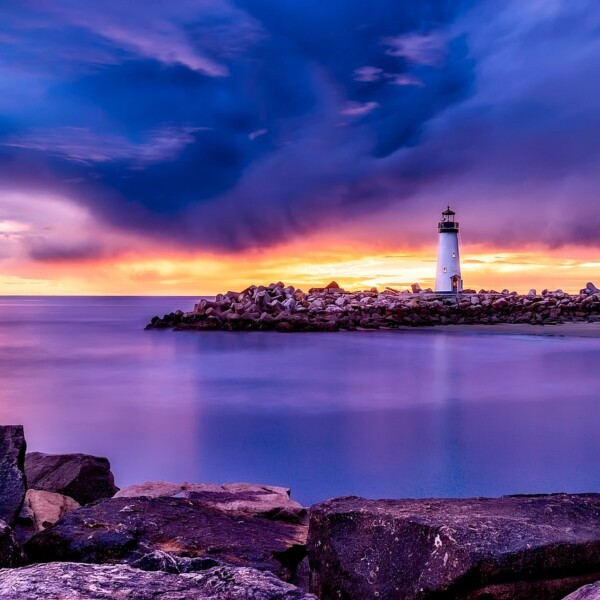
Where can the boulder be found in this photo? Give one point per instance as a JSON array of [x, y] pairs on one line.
[[11, 554], [126, 529], [13, 484], [587, 592], [163, 561], [83, 477], [72, 581], [416, 288], [516, 548], [41, 510], [262, 500]]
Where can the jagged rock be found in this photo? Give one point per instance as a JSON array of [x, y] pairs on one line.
[[250, 498], [72, 581], [12, 474], [324, 309], [587, 592], [126, 529], [11, 554], [163, 561], [83, 477], [515, 548], [416, 288], [41, 510]]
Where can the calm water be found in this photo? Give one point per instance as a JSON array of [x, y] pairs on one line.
[[382, 414]]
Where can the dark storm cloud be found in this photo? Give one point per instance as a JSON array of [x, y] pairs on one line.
[[223, 124], [56, 253]]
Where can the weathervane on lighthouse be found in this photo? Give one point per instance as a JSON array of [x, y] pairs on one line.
[[448, 278]]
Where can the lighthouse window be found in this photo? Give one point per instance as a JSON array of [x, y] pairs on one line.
[[445, 270], [454, 255]]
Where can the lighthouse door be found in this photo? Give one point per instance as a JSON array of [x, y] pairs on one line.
[[455, 281]]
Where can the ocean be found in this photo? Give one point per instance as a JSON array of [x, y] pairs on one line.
[[376, 414]]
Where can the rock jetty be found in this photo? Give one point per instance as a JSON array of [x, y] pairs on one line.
[[244, 541], [330, 308]]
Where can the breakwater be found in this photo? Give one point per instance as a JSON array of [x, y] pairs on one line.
[[287, 309]]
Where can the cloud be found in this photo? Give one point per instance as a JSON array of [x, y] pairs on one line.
[[405, 79], [421, 49], [256, 134], [231, 126], [188, 33], [356, 109], [368, 74], [83, 145]]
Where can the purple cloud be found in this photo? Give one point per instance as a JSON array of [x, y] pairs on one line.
[[222, 124]]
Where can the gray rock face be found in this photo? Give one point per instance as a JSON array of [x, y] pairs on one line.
[[82, 477], [511, 548], [11, 554], [262, 500], [127, 529], [587, 592], [12, 474], [71, 581], [41, 510]]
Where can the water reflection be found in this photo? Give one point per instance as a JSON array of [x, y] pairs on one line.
[[375, 414]]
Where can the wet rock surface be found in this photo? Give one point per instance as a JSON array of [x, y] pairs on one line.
[[261, 500], [511, 548], [286, 309], [71, 581], [127, 529], [82, 477], [12, 474]]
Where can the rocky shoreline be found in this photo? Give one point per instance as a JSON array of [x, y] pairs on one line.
[[67, 532], [279, 308]]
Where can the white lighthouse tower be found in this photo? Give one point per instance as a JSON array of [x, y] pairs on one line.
[[448, 278]]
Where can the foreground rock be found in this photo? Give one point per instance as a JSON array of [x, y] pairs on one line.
[[70, 581], [587, 592], [511, 548], [11, 554], [261, 500], [127, 529], [82, 477], [12, 475], [41, 510], [280, 308]]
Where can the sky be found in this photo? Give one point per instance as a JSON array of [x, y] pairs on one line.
[[197, 146]]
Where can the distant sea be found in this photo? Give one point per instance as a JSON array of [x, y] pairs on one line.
[[376, 414]]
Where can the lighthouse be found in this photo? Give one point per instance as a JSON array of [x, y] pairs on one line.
[[448, 278]]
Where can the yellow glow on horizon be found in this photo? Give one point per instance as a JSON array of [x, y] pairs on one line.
[[353, 268]]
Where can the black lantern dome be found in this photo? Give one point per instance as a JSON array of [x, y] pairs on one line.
[[448, 223]]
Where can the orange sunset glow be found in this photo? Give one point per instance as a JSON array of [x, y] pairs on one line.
[[354, 268]]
